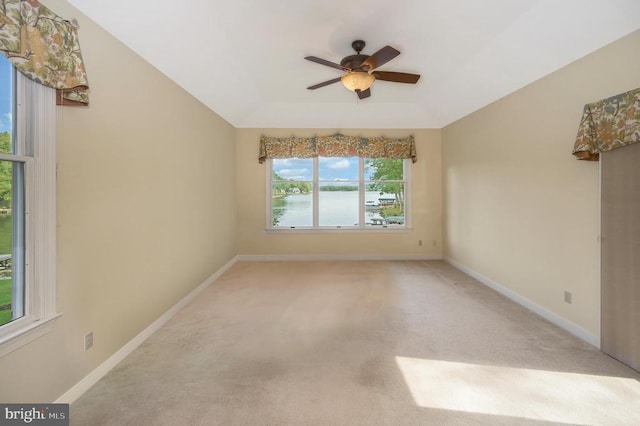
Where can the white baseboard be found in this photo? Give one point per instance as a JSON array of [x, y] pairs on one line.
[[532, 306], [92, 378], [324, 257]]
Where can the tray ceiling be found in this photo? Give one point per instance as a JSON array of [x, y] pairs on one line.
[[244, 58]]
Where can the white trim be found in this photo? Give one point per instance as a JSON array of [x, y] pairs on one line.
[[26, 334], [93, 377], [15, 157], [556, 319], [43, 216], [384, 229], [315, 193], [599, 240], [268, 193], [361, 192], [325, 257], [408, 193]]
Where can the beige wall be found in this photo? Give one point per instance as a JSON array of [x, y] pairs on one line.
[[149, 196], [519, 209], [251, 204], [145, 213]]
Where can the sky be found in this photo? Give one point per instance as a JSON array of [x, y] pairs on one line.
[[330, 169], [5, 95]]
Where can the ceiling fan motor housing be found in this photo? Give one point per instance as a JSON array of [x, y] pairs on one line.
[[354, 62]]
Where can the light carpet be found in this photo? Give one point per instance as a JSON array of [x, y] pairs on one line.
[[360, 343]]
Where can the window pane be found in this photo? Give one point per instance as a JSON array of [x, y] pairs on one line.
[[291, 191], [292, 204], [338, 196], [11, 241], [383, 169], [384, 201], [338, 204], [6, 104]]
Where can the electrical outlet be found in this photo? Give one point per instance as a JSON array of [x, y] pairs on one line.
[[419, 242], [567, 297], [88, 340]]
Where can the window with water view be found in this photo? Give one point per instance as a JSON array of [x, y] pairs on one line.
[[11, 205], [338, 192]]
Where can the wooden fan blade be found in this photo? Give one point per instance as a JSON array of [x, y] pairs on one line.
[[397, 77], [324, 83], [327, 63], [362, 94], [380, 58]]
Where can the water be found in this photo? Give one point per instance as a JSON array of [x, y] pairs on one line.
[[336, 208]]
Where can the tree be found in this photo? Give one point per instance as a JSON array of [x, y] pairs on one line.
[[284, 187], [388, 169]]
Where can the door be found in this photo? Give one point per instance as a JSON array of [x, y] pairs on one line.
[[620, 268]]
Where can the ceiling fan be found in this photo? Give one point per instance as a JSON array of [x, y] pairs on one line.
[[361, 70]]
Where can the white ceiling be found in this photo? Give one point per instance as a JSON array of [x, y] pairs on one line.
[[244, 58]]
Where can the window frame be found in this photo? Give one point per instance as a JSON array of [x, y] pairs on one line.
[[34, 119], [361, 227]]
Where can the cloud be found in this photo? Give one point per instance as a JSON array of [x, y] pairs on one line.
[[339, 164], [294, 174], [292, 162]]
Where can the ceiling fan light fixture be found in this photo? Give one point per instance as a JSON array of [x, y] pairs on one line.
[[362, 70], [357, 80]]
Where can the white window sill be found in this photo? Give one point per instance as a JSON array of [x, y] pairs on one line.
[[21, 337], [343, 230]]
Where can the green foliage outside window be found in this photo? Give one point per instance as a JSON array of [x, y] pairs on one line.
[[5, 172], [388, 169]]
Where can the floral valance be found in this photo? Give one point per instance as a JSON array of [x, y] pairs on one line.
[[608, 124], [44, 47], [337, 146]]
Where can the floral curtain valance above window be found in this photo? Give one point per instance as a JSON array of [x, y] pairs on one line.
[[45, 48], [337, 146], [607, 124]]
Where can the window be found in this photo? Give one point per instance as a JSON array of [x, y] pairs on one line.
[[27, 208], [338, 193]]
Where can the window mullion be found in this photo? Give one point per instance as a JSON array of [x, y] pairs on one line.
[[269, 191], [316, 192], [361, 190], [406, 174]]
